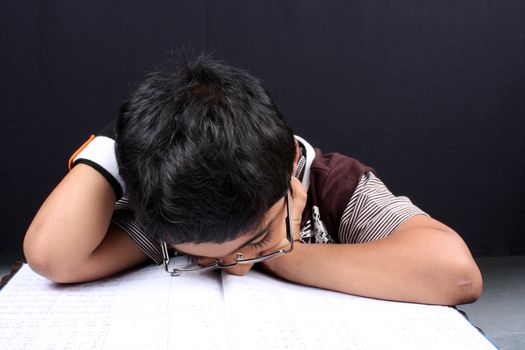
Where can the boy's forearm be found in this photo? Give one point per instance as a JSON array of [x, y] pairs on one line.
[[71, 223], [392, 269]]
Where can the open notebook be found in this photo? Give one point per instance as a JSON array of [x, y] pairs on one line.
[[147, 309]]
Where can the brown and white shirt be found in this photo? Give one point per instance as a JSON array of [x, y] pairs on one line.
[[347, 202]]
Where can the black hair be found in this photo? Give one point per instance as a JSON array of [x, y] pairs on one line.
[[203, 151]]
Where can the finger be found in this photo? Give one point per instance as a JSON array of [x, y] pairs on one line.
[[297, 205], [299, 197]]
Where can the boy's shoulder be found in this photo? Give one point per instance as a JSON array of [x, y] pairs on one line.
[[337, 164], [332, 180], [329, 169]]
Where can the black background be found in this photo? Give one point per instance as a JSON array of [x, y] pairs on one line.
[[429, 93]]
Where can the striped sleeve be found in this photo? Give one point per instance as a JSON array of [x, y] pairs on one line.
[[123, 217], [373, 212]]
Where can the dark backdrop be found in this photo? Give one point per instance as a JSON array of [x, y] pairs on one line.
[[431, 94]]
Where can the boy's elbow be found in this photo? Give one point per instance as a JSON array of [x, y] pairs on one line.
[[42, 259], [45, 267], [38, 259], [467, 283]]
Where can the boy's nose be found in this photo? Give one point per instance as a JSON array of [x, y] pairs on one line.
[[239, 269]]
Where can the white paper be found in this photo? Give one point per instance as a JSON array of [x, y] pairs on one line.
[[298, 317], [143, 309], [148, 309]]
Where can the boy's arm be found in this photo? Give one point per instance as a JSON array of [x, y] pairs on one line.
[[71, 238], [422, 261]]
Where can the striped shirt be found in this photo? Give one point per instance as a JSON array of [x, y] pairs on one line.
[[373, 212]]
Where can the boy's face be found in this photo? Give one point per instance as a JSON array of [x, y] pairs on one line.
[[270, 236]]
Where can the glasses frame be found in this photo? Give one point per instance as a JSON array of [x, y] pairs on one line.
[[238, 258]]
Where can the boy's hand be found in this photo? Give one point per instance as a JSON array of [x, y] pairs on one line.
[[297, 204], [298, 197]]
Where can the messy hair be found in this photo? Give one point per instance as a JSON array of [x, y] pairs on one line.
[[203, 150]]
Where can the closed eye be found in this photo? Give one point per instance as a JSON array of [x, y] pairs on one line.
[[261, 243]]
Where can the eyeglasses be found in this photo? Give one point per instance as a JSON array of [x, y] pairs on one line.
[[238, 258]]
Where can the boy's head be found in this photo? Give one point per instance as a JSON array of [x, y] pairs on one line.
[[204, 152]]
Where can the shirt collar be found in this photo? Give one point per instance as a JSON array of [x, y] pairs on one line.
[[305, 162]]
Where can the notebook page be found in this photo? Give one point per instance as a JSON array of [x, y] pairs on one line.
[[269, 313], [142, 309]]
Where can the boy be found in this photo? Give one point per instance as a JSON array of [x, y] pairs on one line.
[[200, 162]]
